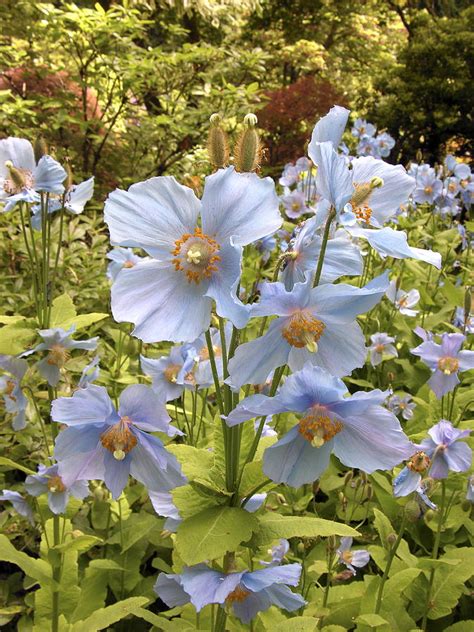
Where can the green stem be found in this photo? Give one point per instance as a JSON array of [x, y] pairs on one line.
[[56, 578], [56, 260], [391, 557], [40, 419], [331, 558], [324, 243], [221, 618], [434, 555]]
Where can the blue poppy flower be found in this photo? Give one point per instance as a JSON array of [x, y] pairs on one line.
[[342, 257], [59, 343], [410, 477], [404, 405], [170, 297], [314, 324], [428, 187], [445, 449], [381, 346], [362, 128], [20, 504], [10, 387], [446, 361], [359, 431], [102, 443], [120, 259], [47, 175], [73, 200], [169, 373], [295, 204], [352, 559], [48, 481], [246, 593]]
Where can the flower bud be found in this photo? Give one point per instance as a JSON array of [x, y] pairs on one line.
[[68, 180], [391, 539], [412, 511], [467, 304], [217, 144], [300, 547], [348, 477], [331, 543], [40, 148], [248, 149], [429, 515], [16, 176]]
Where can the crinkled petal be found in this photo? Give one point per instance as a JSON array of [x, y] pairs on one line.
[[161, 303], [276, 300], [206, 586], [406, 482], [116, 472], [265, 577], [153, 466], [239, 205], [283, 597], [50, 372], [333, 180], [458, 457], [79, 195], [146, 409], [329, 128], [152, 215], [87, 406], [49, 175], [440, 383], [169, 590], [19, 151], [248, 608], [57, 502]]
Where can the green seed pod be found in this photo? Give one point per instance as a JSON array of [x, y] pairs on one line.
[[248, 149], [429, 515], [217, 144], [40, 148]]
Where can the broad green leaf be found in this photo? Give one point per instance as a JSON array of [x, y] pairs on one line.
[[373, 621], [273, 526], [133, 529], [195, 462], [80, 544], [192, 500], [104, 617], [15, 466], [84, 320], [94, 586], [37, 569], [161, 623], [10, 320], [213, 532], [449, 582], [461, 626], [14, 338], [297, 624], [383, 526], [62, 310]]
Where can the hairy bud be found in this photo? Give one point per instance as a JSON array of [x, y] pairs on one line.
[[217, 144], [412, 511], [248, 149], [331, 543], [40, 148], [16, 176]]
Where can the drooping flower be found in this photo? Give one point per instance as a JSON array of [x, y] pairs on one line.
[[314, 324], [404, 405], [359, 431], [295, 204], [102, 443], [168, 373], [48, 481], [120, 259], [278, 552], [381, 346], [170, 296], [463, 320], [446, 361], [246, 592], [90, 373], [21, 179], [403, 301], [200, 373], [445, 449], [352, 559], [342, 256], [410, 477], [20, 504], [74, 200], [10, 387], [59, 343]]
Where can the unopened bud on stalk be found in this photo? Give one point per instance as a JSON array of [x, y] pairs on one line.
[[300, 547], [370, 492], [331, 543], [412, 511], [391, 539], [217, 144], [40, 148], [348, 477], [16, 176], [467, 304], [429, 515], [248, 149], [68, 179]]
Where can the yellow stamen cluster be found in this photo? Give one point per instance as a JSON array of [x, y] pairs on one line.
[[196, 254], [428, 190], [303, 330], [419, 462], [204, 353], [347, 556], [317, 427], [119, 439], [171, 372], [128, 264], [448, 365], [239, 594], [58, 355], [360, 198], [379, 348], [55, 484]]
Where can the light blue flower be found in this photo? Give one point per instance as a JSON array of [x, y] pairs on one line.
[[316, 325], [20, 504], [121, 259], [410, 477], [445, 361], [200, 373], [295, 204], [352, 559], [342, 257], [362, 128], [461, 320], [73, 200], [246, 592], [381, 346], [359, 431], [59, 343], [101, 443], [170, 297], [384, 143], [168, 373], [404, 405], [278, 552], [428, 187], [10, 387], [47, 175], [402, 300], [164, 506], [48, 481], [445, 449]]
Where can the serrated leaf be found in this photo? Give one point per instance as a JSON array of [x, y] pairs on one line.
[[273, 526], [134, 529], [15, 466], [62, 310], [104, 617], [81, 543], [374, 621], [383, 526], [211, 533], [37, 569], [195, 463], [84, 320], [297, 624]]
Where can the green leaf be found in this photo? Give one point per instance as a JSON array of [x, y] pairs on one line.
[[134, 529], [37, 569], [104, 617], [449, 582], [274, 526], [81, 543], [374, 621], [84, 320], [94, 587], [461, 626], [383, 526], [191, 500], [15, 466], [15, 338], [297, 624], [161, 623], [195, 462], [62, 310], [213, 532]]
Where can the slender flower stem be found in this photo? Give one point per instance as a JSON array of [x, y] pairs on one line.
[[40, 419], [56, 577], [221, 618], [434, 556], [324, 243], [330, 558], [391, 557], [215, 374], [56, 259]]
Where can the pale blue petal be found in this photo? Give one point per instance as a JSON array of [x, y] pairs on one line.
[[146, 409], [161, 302], [169, 590], [406, 482], [116, 472], [155, 367], [206, 586], [265, 577], [79, 195], [329, 128], [283, 597], [83, 466], [458, 457], [87, 406], [57, 502], [248, 608], [276, 300], [333, 180], [255, 406], [239, 205], [49, 176], [50, 372], [153, 466], [440, 383], [310, 386], [152, 215], [254, 361]]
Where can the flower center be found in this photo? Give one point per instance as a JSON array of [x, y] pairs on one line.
[[239, 594], [379, 347], [204, 353], [128, 264], [347, 556], [196, 255], [452, 187], [360, 198], [295, 206], [303, 330], [58, 355], [171, 372], [10, 387], [119, 439], [317, 427], [448, 365], [55, 484], [419, 462]]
